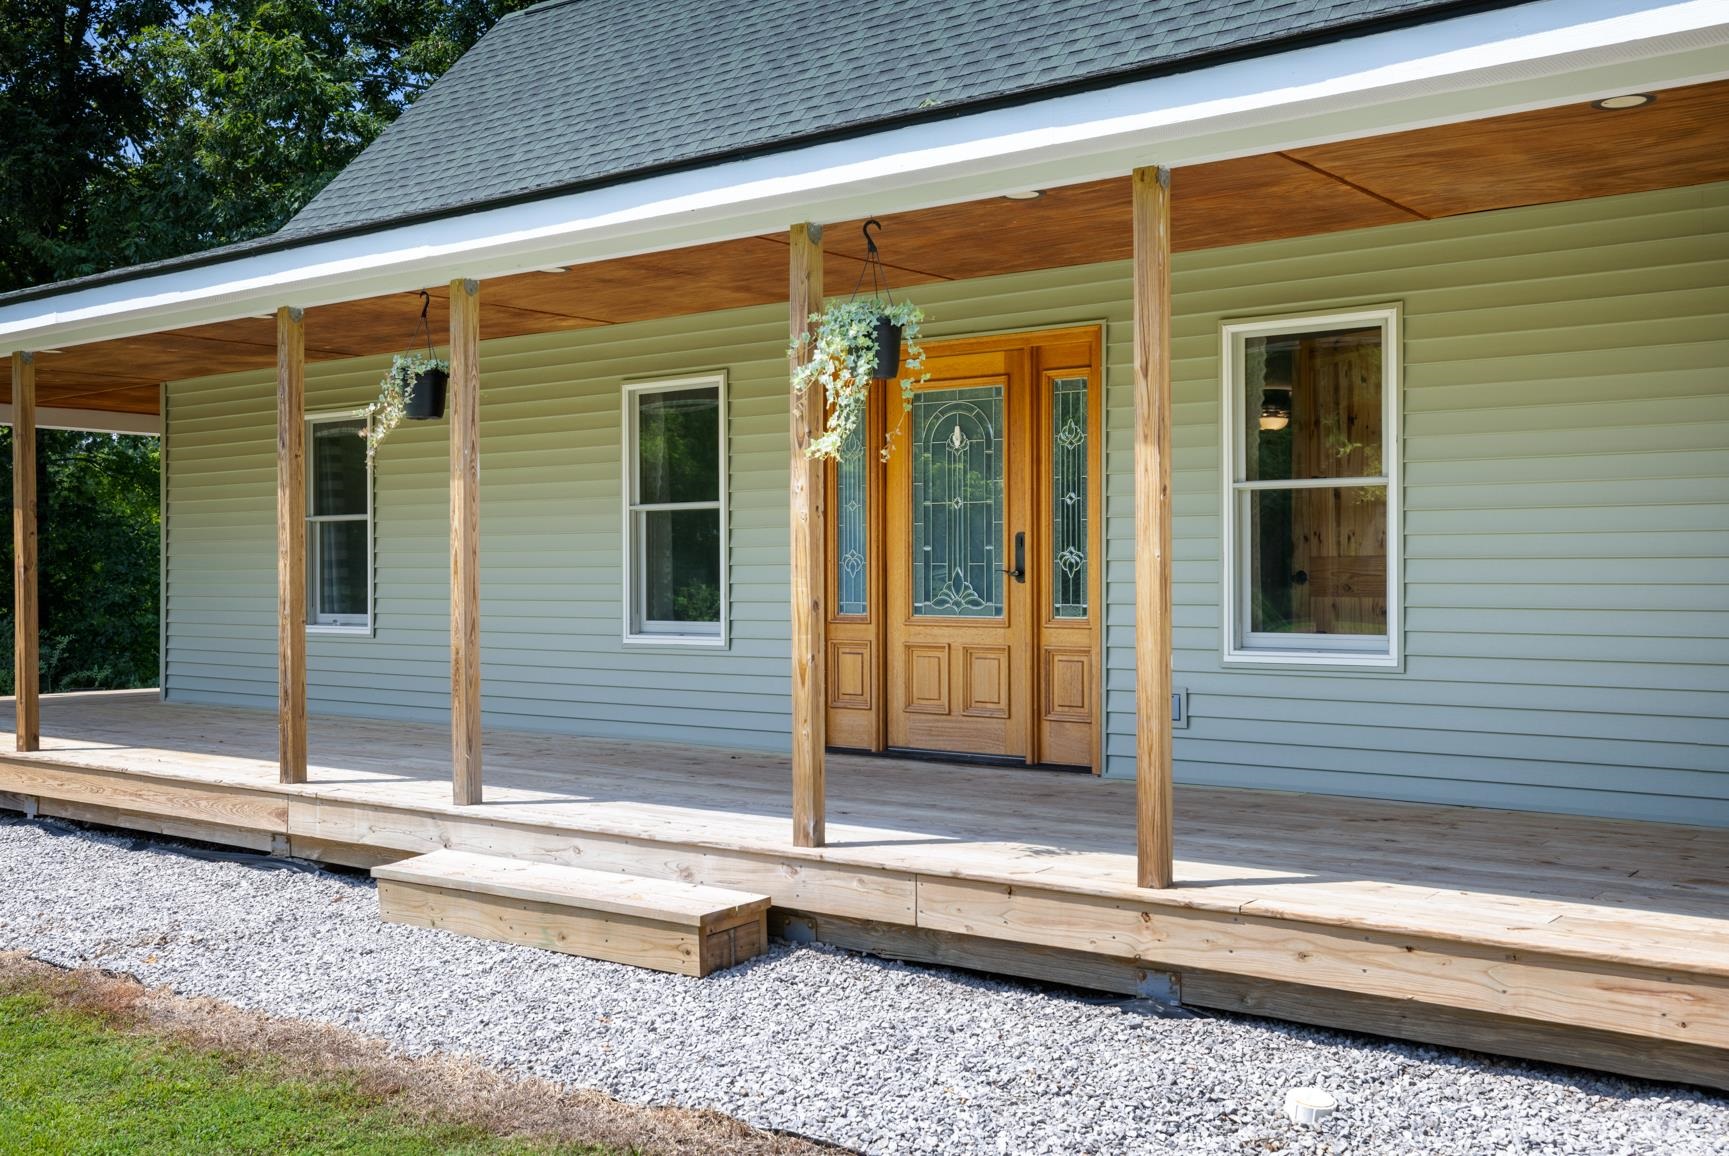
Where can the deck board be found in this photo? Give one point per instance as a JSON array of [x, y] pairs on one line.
[[1549, 936], [1557, 884]]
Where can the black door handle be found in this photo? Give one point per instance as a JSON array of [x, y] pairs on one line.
[[1019, 573]]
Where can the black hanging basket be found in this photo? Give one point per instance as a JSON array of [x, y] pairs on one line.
[[888, 337], [426, 399]]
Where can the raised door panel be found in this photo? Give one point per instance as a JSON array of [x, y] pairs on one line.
[[849, 675], [1068, 685], [985, 678], [927, 679], [853, 678]]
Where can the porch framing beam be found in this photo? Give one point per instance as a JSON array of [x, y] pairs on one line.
[[291, 544], [1151, 191], [26, 637], [809, 590], [464, 410]]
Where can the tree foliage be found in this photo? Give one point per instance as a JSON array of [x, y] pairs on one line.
[[134, 130], [97, 560], [66, 118]]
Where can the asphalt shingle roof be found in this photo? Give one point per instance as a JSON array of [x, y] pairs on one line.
[[574, 92]]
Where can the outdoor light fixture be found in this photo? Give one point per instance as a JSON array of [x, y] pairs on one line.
[[1275, 408], [1024, 195], [553, 269], [1630, 100]]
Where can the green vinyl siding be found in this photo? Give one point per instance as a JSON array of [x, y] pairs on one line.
[[1566, 497], [1566, 538], [550, 581]]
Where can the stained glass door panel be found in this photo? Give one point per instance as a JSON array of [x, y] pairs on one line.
[[957, 502], [1068, 469]]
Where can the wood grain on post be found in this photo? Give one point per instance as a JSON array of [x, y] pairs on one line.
[[809, 695], [26, 664], [291, 544], [464, 411], [1152, 309]]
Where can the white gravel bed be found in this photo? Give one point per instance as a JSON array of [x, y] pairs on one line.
[[868, 1054]]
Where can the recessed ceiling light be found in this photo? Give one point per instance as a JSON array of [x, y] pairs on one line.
[[1024, 195], [553, 269], [1631, 100]]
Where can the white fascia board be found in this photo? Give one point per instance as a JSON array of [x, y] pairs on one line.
[[89, 420], [1484, 64]]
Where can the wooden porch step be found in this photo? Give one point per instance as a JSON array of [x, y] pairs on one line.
[[662, 924]]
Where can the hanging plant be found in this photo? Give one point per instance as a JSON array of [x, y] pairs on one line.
[[412, 388], [853, 343]]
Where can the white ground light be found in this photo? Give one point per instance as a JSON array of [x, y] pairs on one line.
[[868, 1054]]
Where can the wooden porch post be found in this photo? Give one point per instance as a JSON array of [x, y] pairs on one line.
[[809, 621], [1152, 306], [26, 665], [291, 544], [464, 409]]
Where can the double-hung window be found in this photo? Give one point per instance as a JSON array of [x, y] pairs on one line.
[[1311, 489], [338, 525], [675, 584]]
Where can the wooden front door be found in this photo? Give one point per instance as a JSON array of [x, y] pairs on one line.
[[958, 514], [984, 608]]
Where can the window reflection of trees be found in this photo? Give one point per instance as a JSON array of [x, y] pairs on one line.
[[678, 463]]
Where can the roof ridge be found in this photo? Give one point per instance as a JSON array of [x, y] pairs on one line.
[[543, 6]]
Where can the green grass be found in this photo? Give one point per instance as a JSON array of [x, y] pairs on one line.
[[72, 1083]]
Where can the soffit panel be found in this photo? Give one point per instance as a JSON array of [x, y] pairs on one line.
[[1528, 158], [1533, 158]]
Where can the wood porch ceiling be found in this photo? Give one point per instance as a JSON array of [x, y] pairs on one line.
[[1558, 154]]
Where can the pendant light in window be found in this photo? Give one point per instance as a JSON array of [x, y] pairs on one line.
[[1275, 407]]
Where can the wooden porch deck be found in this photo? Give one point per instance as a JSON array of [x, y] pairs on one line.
[[1590, 941]]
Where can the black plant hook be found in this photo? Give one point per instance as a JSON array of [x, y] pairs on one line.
[[873, 264], [425, 325]]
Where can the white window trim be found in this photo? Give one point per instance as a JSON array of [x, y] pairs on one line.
[[636, 631], [351, 628], [1238, 645]]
